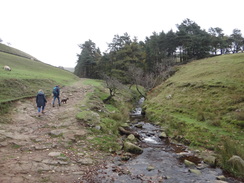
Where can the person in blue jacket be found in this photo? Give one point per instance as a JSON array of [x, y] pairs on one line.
[[56, 92], [40, 102]]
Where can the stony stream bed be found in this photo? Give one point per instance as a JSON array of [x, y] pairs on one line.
[[161, 161]]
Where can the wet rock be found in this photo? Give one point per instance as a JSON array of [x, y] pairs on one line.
[[131, 137], [139, 125], [124, 125], [210, 160], [202, 166], [195, 171], [127, 132], [126, 156], [237, 163], [162, 135], [189, 163], [150, 168], [132, 148], [221, 177]]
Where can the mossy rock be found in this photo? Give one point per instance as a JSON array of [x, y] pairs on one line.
[[132, 148]]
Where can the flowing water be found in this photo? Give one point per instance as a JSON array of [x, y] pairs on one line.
[[161, 160]]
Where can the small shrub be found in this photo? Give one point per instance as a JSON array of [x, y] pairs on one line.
[[116, 116], [4, 108], [109, 126]]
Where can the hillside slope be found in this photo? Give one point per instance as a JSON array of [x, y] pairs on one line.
[[7, 49], [28, 76], [203, 104]]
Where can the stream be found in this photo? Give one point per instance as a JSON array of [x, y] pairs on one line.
[[161, 160]]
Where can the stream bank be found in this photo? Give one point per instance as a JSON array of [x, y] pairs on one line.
[[160, 161]]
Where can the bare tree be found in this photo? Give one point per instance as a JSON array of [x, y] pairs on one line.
[[136, 75], [113, 85], [148, 80]]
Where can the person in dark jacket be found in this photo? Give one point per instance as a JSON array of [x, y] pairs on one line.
[[40, 102], [56, 92]]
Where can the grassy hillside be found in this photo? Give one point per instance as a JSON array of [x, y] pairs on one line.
[[28, 76], [203, 104]]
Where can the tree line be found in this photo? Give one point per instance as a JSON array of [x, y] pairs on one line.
[[146, 62]]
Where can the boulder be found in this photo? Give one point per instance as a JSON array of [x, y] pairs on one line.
[[221, 177], [210, 160], [150, 168], [162, 135], [131, 137], [195, 171], [132, 148], [189, 163]]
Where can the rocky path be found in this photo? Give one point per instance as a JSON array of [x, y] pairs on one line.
[[51, 148]]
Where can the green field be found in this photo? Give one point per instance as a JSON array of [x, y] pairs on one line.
[[28, 76]]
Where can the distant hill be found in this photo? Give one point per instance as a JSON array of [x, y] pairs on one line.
[[28, 75], [69, 69]]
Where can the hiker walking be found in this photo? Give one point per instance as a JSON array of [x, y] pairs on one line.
[[56, 92], [40, 102]]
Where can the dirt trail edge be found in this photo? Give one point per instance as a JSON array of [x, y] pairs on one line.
[[51, 148]]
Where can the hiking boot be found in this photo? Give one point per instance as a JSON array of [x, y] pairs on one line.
[[59, 104], [53, 105]]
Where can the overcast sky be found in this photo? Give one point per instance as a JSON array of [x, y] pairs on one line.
[[51, 30]]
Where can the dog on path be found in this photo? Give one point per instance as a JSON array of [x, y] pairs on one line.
[[64, 100]]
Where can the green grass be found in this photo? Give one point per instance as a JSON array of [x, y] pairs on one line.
[[105, 119], [93, 82], [28, 76], [206, 103]]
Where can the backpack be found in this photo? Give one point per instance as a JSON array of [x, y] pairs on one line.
[[55, 91]]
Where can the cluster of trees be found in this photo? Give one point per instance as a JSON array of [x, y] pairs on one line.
[[128, 59]]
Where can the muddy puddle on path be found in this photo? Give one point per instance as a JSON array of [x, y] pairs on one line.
[[161, 161]]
